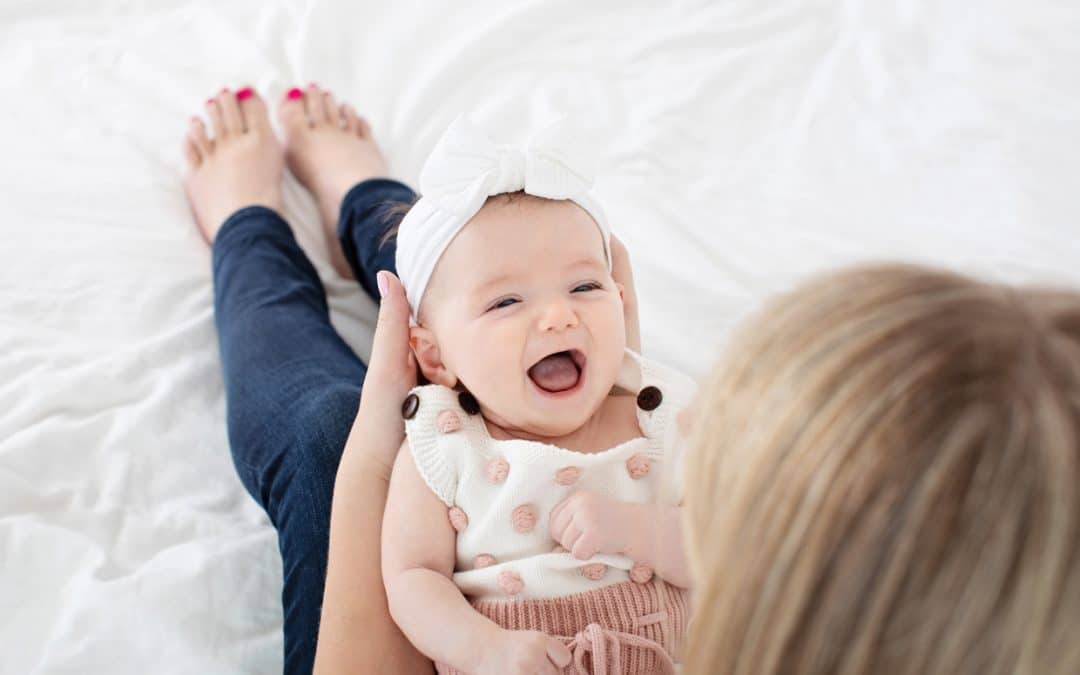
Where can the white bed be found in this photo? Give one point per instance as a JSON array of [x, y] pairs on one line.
[[750, 143]]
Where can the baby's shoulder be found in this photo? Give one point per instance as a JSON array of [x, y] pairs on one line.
[[442, 426]]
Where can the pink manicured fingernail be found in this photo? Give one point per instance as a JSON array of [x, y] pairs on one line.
[[294, 94], [244, 93], [383, 283]]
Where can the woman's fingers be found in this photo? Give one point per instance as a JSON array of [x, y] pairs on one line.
[[391, 374], [623, 274], [391, 357]]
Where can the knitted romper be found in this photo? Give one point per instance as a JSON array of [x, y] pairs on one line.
[[615, 615]]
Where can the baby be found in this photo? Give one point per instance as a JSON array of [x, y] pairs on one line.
[[533, 519]]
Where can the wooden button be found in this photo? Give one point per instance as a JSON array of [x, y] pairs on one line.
[[410, 406], [468, 403], [649, 398]]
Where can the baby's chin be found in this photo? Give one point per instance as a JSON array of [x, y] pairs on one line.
[[551, 423]]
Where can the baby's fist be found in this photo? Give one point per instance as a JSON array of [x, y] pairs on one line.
[[587, 524]]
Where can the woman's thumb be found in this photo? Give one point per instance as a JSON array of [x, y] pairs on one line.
[[392, 328]]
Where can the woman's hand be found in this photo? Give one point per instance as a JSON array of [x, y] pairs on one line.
[[391, 374], [356, 633], [621, 272]]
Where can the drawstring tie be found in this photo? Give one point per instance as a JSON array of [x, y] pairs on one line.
[[598, 641]]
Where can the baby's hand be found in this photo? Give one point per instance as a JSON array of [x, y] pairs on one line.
[[525, 652], [586, 524]]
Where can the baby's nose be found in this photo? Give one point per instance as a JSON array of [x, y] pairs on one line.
[[558, 316]]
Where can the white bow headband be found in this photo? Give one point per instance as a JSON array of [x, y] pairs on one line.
[[466, 168]]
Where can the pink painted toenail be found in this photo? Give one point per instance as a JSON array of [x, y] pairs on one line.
[[294, 94], [209, 101], [244, 93], [224, 90], [313, 85]]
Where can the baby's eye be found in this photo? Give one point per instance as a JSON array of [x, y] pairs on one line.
[[505, 302], [590, 286]]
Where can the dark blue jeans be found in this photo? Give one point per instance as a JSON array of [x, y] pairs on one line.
[[292, 386]]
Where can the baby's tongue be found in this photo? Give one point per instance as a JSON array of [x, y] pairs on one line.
[[555, 373]]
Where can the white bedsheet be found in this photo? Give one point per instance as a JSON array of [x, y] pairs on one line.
[[750, 143]]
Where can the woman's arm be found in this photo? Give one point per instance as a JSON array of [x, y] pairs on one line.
[[356, 633], [657, 541]]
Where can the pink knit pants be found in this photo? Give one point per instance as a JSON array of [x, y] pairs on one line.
[[622, 629]]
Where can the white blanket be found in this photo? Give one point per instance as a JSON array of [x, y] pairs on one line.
[[751, 143]]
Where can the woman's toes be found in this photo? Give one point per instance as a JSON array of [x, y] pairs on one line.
[[191, 155], [313, 102], [217, 123], [253, 110], [197, 134], [333, 115], [291, 112], [348, 118], [230, 112], [362, 127]]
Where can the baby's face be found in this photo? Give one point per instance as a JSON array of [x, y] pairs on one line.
[[523, 312]]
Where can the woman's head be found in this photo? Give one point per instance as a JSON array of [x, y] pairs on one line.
[[885, 477], [526, 278]]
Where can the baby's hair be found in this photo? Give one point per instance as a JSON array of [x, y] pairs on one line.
[[884, 477]]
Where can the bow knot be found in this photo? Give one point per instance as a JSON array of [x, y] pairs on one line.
[[511, 173], [600, 642], [466, 167]]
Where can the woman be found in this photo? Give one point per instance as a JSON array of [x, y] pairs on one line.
[[885, 478], [882, 475]]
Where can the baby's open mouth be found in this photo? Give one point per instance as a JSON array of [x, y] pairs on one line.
[[559, 371]]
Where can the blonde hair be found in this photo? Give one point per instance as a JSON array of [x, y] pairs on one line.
[[884, 477]]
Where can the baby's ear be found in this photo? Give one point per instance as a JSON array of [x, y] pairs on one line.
[[426, 350]]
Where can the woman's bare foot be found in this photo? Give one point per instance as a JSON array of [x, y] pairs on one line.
[[240, 165], [329, 149]]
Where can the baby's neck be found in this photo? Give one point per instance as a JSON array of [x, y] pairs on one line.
[[613, 423]]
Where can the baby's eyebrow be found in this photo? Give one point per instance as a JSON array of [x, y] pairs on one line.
[[586, 262], [494, 281], [498, 279]]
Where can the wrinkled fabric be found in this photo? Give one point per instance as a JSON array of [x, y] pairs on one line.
[[749, 145]]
